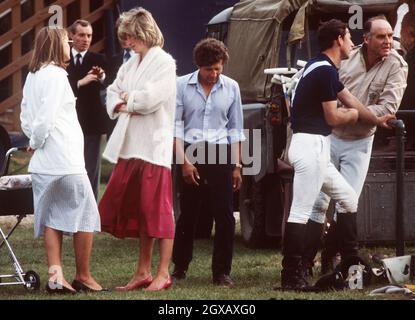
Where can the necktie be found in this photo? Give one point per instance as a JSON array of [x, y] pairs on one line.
[[78, 60], [127, 55]]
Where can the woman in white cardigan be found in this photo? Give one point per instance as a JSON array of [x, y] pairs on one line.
[[138, 200], [63, 197]]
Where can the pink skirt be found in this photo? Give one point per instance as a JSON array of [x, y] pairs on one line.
[[138, 198]]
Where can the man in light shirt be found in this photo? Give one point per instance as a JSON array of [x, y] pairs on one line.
[[209, 122]]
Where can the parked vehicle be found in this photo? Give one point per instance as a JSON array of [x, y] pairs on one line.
[[263, 34]]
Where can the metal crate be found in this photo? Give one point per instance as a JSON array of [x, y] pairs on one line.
[[377, 208]]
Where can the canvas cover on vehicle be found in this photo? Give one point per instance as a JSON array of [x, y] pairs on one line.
[[254, 36], [253, 42]]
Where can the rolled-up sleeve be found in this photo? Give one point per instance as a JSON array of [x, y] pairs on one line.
[[235, 118], [392, 94]]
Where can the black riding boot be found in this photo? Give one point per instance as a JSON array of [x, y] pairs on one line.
[[292, 277], [349, 247], [312, 243], [347, 239], [347, 235], [330, 249]]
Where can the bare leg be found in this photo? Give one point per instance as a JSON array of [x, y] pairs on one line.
[[166, 249], [83, 248], [142, 276], [53, 248], [145, 257]]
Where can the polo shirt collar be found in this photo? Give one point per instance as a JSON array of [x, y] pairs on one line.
[[323, 56]]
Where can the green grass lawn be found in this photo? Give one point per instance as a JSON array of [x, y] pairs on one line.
[[113, 262]]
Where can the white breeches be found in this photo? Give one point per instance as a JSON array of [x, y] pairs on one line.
[[351, 158], [309, 154]]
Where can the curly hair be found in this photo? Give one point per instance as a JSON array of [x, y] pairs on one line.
[[210, 51]]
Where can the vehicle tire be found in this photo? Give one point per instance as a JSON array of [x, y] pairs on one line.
[[32, 280], [255, 199]]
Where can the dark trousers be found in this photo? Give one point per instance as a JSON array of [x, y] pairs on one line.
[[216, 183], [92, 154]]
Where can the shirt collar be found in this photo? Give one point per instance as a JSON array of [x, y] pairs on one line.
[[194, 79], [75, 52], [363, 51], [323, 56]]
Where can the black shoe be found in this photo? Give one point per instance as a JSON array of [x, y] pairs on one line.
[[79, 286], [178, 274], [308, 272], [54, 288], [331, 281], [223, 280], [294, 282]]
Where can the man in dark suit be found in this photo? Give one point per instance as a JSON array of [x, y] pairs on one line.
[[87, 78]]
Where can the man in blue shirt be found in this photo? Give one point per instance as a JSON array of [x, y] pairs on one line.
[[208, 133], [314, 114]]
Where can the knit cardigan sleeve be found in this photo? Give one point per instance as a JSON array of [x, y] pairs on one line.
[[150, 95], [113, 93]]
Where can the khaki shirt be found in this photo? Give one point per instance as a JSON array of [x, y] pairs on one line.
[[380, 89]]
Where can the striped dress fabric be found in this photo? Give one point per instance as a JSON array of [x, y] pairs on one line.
[[65, 203]]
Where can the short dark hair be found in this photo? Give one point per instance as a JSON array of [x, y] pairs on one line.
[[368, 24], [330, 31], [82, 23], [210, 51]]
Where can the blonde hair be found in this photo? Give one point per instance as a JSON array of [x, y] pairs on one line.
[[48, 48], [139, 24]]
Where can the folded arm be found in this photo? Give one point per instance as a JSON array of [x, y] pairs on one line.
[[337, 117], [149, 96], [114, 91], [392, 93], [365, 114]]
